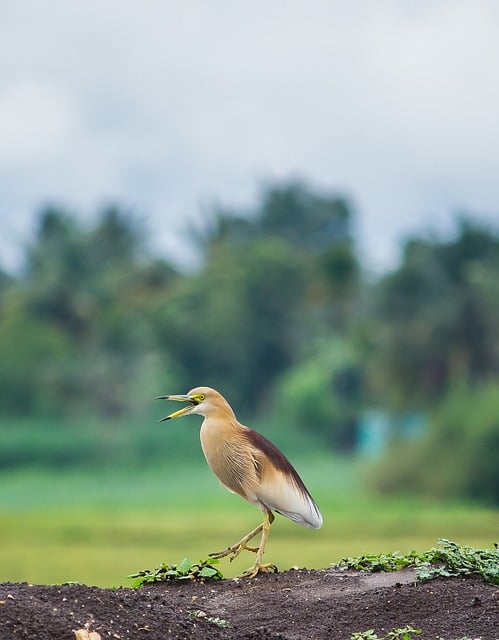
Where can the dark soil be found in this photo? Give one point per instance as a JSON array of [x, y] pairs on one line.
[[297, 604]]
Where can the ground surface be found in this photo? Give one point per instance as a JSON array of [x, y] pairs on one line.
[[297, 604]]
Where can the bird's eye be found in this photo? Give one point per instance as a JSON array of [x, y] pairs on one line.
[[201, 397]]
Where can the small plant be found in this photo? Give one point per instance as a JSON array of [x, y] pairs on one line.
[[455, 560], [186, 570], [382, 561], [397, 634], [403, 634], [463, 638], [451, 559], [219, 622], [365, 635]]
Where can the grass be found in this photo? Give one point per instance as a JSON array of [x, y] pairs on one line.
[[99, 527]]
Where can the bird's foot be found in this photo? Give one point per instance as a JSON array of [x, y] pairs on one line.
[[240, 548], [258, 567], [233, 551]]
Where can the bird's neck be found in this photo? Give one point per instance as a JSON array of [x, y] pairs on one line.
[[221, 421], [217, 428], [222, 411]]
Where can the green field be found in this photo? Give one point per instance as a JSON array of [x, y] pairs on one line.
[[99, 527]]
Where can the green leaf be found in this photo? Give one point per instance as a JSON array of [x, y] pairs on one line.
[[208, 572], [186, 570], [185, 566], [449, 560]]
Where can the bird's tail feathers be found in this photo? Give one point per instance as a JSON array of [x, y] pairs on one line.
[[312, 519]]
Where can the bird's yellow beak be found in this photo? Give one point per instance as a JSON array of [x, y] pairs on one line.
[[180, 412]]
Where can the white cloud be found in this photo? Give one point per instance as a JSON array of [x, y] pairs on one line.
[[167, 105], [36, 121]]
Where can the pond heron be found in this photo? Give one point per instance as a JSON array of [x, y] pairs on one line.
[[247, 464]]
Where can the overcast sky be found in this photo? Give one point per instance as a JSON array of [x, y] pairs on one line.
[[166, 107]]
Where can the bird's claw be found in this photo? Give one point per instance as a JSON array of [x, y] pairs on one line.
[[259, 568], [233, 551], [240, 548]]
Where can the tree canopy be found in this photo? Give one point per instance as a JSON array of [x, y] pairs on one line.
[[280, 316]]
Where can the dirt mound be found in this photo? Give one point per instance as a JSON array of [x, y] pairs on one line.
[[297, 604]]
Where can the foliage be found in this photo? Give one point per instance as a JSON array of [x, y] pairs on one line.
[[185, 570], [405, 633], [73, 329], [384, 562], [322, 395], [280, 316], [455, 560], [450, 559], [234, 325], [458, 454], [436, 319], [268, 282]]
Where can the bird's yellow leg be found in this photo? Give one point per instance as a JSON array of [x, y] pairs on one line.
[[236, 549], [259, 566]]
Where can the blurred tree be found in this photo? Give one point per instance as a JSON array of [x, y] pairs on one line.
[[74, 275], [222, 227], [290, 211], [28, 351], [272, 281], [323, 394], [234, 325], [83, 306], [5, 281], [434, 320], [276, 315], [312, 221], [457, 458], [55, 264]]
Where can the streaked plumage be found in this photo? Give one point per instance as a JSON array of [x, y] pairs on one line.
[[249, 465]]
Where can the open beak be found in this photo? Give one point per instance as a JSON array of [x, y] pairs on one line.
[[181, 412]]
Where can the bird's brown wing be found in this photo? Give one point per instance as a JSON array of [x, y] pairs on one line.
[[280, 488]]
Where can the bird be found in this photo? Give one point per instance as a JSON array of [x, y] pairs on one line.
[[249, 465]]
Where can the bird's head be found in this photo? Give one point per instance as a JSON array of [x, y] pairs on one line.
[[201, 400]]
